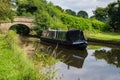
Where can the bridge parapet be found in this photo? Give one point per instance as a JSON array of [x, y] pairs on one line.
[[23, 19], [4, 27]]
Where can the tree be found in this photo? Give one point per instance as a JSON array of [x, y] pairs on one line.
[[25, 7], [29, 7], [83, 14], [101, 14], [42, 21], [62, 10], [92, 17], [114, 15], [69, 11], [6, 12]]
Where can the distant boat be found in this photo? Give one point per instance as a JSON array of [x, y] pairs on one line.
[[71, 38]]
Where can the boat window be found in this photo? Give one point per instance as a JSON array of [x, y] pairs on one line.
[[61, 35], [50, 34]]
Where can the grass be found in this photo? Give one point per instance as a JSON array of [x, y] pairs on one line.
[[107, 36], [14, 65]]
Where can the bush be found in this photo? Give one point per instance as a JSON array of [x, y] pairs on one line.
[[38, 30], [84, 24], [98, 25], [77, 23]]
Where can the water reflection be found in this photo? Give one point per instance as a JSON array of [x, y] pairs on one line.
[[92, 69], [111, 56], [70, 57], [72, 61], [74, 58]]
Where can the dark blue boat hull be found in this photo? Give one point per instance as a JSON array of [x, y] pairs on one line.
[[66, 44]]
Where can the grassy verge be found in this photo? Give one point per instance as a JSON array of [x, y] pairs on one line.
[[13, 63], [104, 36]]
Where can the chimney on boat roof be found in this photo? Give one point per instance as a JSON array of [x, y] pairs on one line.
[[68, 27]]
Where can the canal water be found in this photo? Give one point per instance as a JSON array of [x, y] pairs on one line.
[[97, 62]]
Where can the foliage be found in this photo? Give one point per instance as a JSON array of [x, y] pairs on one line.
[[42, 19], [101, 14], [49, 16], [84, 24], [110, 14], [92, 17], [14, 65], [38, 30], [107, 36], [100, 25], [62, 10], [83, 14], [52, 10], [46, 57], [25, 7], [70, 12], [113, 13], [6, 12], [75, 22]]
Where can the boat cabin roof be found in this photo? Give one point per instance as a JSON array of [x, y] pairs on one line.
[[51, 30]]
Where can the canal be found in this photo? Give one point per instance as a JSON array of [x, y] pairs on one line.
[[97, 62]]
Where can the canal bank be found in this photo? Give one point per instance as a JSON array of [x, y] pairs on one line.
[[20, 60], [117, 43], [104, 37]]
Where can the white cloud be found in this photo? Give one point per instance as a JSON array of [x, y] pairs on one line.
[[77, 5]]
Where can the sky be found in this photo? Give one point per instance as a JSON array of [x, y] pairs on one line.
[[78, 5]]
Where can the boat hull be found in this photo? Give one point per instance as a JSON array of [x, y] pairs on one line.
[[66, 44]]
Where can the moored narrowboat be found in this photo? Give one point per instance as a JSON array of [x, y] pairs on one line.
[[71, 38]]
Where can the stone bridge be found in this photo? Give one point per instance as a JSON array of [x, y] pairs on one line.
[[26, 21]]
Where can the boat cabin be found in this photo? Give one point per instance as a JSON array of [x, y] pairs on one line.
[[72, 35]]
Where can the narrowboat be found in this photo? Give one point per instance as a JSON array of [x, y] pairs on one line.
[[71, 38]]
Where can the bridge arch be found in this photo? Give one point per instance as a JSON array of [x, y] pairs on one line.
[[20, 29], [26, 21]]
